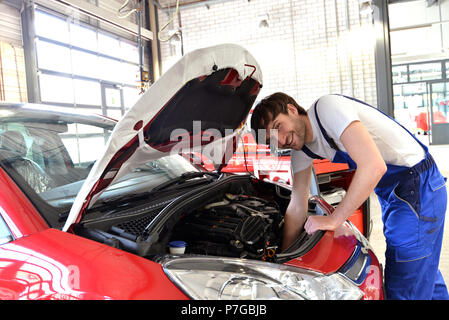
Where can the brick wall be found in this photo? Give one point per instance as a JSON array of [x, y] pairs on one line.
[[310, 47]]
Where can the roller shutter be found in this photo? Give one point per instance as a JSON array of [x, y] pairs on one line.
[[12, 63]]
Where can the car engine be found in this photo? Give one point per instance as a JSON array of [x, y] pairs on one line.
[[233, 220], [238, 226]]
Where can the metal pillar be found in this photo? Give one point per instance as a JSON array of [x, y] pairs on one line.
[[383, 57], [29, 49]]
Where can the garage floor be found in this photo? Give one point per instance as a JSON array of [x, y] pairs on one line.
[[377, 240]]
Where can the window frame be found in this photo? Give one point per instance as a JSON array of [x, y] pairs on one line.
[[444, 75], [100, 79]]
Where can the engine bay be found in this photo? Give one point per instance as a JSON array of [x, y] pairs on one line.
[[236, 218], [237, 226]]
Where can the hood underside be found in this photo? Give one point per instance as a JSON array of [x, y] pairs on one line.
[[203, 100]]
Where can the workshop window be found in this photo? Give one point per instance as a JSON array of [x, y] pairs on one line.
[[77, 63], [421, 94], [410, 105], [400, 74], [422, 30], [425, 71], [51, 27], [85, 64], [56, 89], [87, 92], [440, 97], [83, 37], [108, 45], [53, 57]]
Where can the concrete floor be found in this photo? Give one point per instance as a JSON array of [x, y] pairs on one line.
[[377, 240]]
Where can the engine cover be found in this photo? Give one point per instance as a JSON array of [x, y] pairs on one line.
[[237, 226]]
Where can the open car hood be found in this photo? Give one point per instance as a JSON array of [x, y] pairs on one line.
[[204, 99]]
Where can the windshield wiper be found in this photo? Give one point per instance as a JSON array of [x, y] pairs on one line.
[[120, 200], [183, 178], [105, 204]]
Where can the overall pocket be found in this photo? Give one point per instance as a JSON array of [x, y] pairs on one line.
[[438, 187], [401, 218], [434, 205]]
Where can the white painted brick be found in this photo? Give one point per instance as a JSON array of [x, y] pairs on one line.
[[304, 30]]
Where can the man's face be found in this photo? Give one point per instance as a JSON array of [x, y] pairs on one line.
[[287, 129]]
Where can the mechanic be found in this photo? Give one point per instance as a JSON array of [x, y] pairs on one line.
[[387, 159]]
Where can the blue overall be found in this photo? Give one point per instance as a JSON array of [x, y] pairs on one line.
[[413, 202]]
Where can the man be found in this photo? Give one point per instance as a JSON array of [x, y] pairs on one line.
[[387, 159]]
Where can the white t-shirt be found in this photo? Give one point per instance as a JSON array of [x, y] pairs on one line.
[[396, 145]]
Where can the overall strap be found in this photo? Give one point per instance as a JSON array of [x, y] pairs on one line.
[[311, 154], [329, 140]]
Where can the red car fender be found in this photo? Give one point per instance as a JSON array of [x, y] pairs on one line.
[[58, 265], [330, 253], [16, 209], [332, 250]]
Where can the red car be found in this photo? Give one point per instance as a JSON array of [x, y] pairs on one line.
[[94, 209], [423, 123]]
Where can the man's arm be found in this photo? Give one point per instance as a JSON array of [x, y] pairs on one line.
[[370, 169], [296, 213]]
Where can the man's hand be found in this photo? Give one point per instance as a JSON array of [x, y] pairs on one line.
[[315, 223]]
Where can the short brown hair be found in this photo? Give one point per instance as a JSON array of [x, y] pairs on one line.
[[269, 108]]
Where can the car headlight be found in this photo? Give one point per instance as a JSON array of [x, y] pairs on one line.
[[238, 279]]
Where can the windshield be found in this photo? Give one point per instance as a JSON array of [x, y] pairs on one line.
[[50, 160]]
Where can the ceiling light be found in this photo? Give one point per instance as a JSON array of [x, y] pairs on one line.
[[263, 21], [365, 7]]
